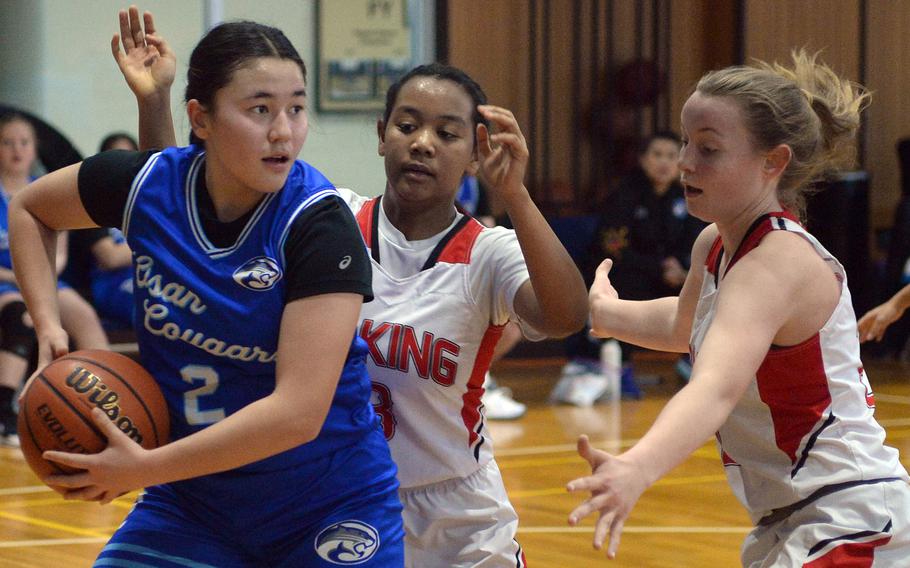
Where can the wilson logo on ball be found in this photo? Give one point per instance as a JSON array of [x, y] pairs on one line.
[[84, 382]]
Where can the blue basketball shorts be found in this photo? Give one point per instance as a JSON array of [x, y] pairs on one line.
[[339, 510]]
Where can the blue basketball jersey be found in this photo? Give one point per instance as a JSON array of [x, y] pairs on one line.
[[207, 317]]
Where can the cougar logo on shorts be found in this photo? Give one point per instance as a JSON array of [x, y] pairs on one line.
[[260, 273], [347, 543]]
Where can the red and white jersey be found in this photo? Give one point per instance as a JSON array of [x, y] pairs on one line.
[[806, 421], [439, 307]]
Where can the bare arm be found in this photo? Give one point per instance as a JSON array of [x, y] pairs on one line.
[[553, 299], [316, 333], [111, 255], [663, 324], [756, 304], [149, 66], [37, 214], [62, 252], [874, 322]]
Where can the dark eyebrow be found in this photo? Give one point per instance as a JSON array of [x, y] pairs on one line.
[[268, 95], [447, 117]]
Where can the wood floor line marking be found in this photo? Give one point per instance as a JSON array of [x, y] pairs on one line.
[[646, 529], [560, 448], [50, 524], [52, 542], [687, 480], [25, 490], [895, 398]]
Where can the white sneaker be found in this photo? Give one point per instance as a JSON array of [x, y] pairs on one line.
[[499, 405], [11, 440], [580, 385]]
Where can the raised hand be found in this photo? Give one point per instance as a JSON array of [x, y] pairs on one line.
[[615, 485], [116, 470], [146, 61], [503, 154]]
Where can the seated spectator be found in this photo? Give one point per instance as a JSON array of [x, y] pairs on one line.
[[645, 228], [18, 156], [111, 273]]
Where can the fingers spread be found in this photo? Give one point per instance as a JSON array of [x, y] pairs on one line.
[[149, 23], [602, 529], [125, 33], [615, 534], [115, 48], [136, 27]]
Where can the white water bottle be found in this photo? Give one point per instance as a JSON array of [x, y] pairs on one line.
[[611, 367]]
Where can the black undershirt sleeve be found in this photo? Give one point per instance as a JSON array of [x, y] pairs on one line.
[[104, 184], [325, 253]]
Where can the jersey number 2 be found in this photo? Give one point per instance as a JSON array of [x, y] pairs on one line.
[[209, 379]]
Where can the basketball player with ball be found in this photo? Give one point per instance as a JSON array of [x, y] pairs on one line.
[[249, 275]]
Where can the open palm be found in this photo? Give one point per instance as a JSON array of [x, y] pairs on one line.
[[146, 61]]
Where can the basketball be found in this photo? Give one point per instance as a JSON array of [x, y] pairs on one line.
[[55, 408]]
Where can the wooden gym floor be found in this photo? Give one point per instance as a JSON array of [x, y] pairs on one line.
[[688, 519]]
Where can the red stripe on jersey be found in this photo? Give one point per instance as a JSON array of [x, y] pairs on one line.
[[763, 225], [458, 250], [850, 555], [470, 407], [714, 256], [365, 221], [793, 383]]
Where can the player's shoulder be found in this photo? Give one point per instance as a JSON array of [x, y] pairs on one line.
[[703, 244], [493, 244], [352, 199]]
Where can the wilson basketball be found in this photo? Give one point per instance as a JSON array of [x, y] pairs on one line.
[[55, 408]]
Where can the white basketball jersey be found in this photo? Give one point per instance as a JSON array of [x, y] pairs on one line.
[[806, 421], [440, 306]]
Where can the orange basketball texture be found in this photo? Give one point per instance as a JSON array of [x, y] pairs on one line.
[[55, 409]]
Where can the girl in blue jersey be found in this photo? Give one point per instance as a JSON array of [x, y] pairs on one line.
[[249, 277], [18, 153]]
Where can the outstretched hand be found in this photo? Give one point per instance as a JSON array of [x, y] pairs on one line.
[[116, 470], [146, 61], [602, 289], [503, 154], [874, 323], [615, 485]]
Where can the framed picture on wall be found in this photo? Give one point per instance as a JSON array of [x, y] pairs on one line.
[[362, 47]]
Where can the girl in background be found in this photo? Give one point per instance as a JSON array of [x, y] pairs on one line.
[[18, 154], [767, 316]]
